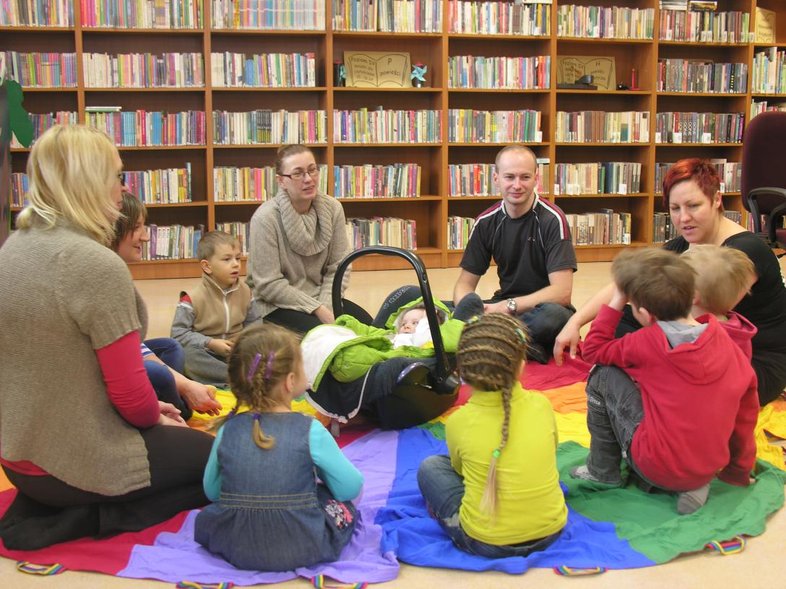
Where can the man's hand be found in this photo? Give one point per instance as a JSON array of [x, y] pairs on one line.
[[324, 314], [220, 347], [201, 398], [499, 307]]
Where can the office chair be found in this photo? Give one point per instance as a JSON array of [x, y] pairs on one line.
[[764, 176]]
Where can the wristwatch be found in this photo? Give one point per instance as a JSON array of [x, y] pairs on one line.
[[512, 306]]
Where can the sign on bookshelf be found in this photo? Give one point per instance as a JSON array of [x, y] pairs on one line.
[[765, 25], [572, 67], [377, 69]]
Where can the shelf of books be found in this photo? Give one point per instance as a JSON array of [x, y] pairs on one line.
[[405, 105]]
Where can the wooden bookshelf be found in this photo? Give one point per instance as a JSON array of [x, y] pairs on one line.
[[435, 204]]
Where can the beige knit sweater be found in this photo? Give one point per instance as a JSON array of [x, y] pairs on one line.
[[63, 296], [292, 258]]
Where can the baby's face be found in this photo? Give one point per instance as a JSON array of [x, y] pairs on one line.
[[410, 320]]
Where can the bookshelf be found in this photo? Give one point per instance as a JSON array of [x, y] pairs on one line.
[[492, 79]]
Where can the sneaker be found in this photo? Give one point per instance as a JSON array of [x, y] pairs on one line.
[[690, 501], [582, 472]]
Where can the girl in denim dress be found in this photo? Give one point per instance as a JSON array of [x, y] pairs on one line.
[[280, 486]]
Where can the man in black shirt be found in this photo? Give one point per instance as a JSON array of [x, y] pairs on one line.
[[529, 240]]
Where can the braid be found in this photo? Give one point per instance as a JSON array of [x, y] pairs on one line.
[[490, 353]]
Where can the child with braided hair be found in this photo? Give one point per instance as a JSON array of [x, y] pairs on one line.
[[498, 492], [269, 511]]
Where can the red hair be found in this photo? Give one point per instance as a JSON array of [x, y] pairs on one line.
[[702, 172]]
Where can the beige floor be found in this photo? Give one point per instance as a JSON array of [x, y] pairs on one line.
[[761, 565]]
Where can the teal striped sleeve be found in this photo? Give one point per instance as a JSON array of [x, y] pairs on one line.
[[212, 478], [336, 471]]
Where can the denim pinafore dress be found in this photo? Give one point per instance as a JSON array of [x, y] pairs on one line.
[[272, 514]]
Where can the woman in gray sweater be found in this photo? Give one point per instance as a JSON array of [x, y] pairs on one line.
[[297, 240], [89, 448]]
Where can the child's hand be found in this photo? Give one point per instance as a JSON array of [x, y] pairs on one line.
[[201, 398], [221, 347], [618, 299]]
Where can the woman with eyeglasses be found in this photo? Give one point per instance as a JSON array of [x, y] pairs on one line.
[[297, 240]]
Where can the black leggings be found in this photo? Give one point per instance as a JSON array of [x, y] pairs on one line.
[[48, 510], [301, 322]]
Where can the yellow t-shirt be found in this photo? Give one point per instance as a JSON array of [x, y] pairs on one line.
[[530, 504]]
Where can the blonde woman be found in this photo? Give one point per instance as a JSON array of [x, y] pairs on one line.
[[90, 449]]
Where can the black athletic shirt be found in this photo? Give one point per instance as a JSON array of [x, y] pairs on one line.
[[526, 250]]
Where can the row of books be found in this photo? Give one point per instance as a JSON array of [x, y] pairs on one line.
[[459, 230], [24, 13], [142, 14], [150, 128], [43, 121], [400, 180], [303, 15], [392, 231], [477, 179], [769, 74], [409, 16], [166, 186], [266, 126], [605, 227], [705, 27], [760, 106], [699, 127], [477, 71], [607, 22], [269, 70], [20, 183], [499, 18], [41, 70], [466, 125], [404, 16], [597, 178], [663, 229], [144, 70], [691, 75], [603, 127], [730, 174], [233, 184], [172, 242], [238, 230], [387, 126]]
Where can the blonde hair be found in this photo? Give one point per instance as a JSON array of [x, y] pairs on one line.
[[72, 169], [491, 351], [260, 361], [722, 275]]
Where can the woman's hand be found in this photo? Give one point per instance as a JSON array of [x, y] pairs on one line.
[[201, 398], [170, 415], [324, 314], [568, 339]]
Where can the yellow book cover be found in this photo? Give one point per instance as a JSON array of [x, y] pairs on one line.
[[765, 25]]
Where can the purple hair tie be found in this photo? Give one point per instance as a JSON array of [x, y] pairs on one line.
[[254, 365], [269, 365]]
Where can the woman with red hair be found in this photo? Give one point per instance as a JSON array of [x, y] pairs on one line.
[[691, 192]]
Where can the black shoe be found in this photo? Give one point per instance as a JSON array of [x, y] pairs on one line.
[[537, 352]]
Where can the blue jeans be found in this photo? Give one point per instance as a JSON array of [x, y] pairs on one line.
[[443, 489], [171, 353], [545, 321]]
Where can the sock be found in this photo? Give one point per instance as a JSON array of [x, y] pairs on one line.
[[690, 501]]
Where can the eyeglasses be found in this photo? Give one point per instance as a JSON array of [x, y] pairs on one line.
[[313, 171]]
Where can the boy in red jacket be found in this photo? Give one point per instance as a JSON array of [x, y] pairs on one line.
[[677, 399]]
